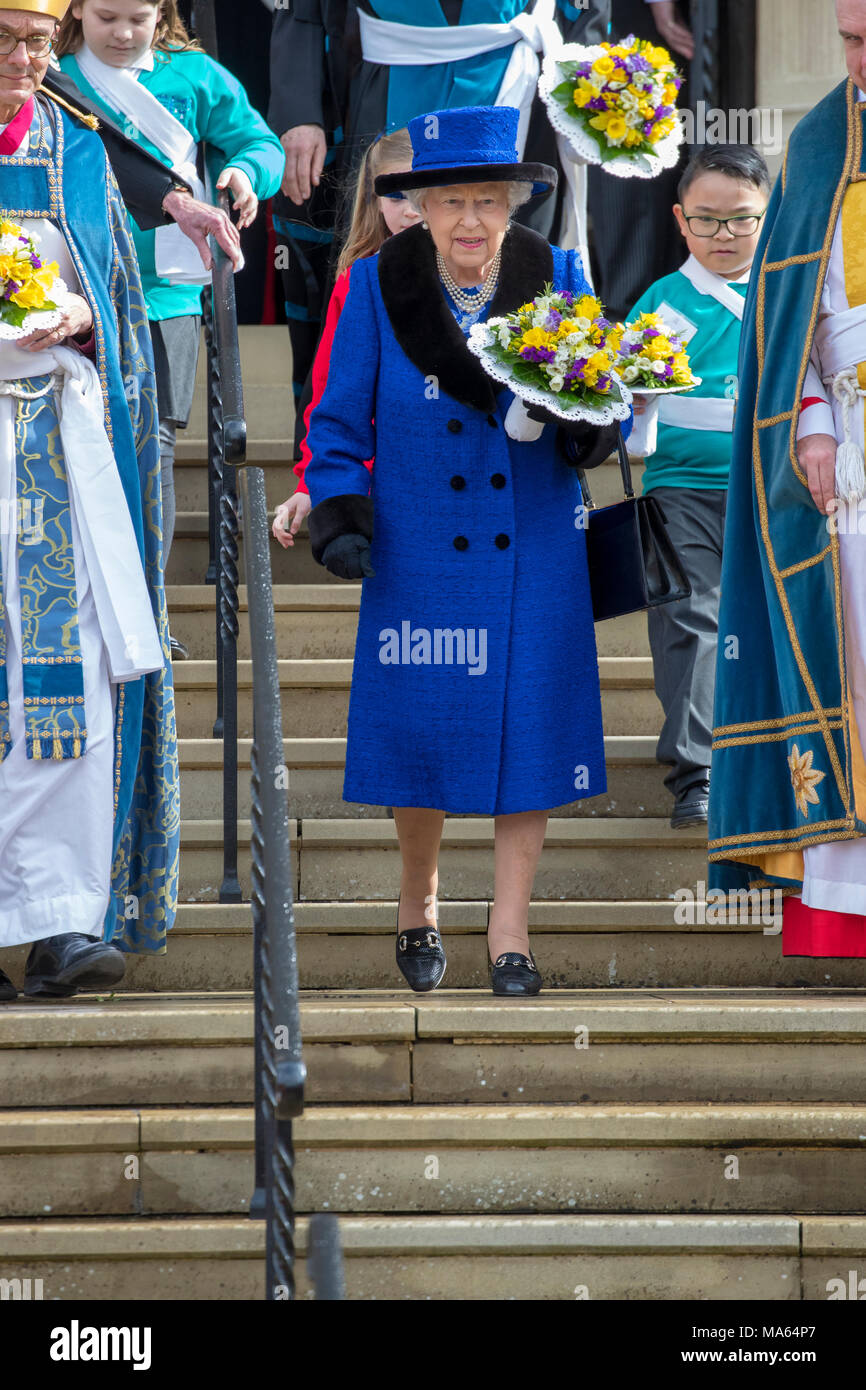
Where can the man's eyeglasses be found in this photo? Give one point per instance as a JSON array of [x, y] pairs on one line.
[[37, 45], [737, 226]]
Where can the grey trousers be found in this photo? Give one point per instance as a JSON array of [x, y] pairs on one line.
[[683, 635], [167, 447]]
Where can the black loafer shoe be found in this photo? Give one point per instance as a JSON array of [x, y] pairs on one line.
[[420, 956], [512, 973], [59, 966], [178, 651], [691, 806], [7, 989]]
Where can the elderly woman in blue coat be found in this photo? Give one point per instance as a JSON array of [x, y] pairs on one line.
[[475, 687]]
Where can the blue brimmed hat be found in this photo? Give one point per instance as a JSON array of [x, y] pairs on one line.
[[470, 144]]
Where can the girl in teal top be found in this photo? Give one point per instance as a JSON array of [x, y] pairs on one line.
[[147, 40]]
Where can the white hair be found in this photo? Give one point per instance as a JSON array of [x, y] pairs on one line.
[[519, 191]]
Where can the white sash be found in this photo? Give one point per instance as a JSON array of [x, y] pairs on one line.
[[841, 340], [689, 412], [177, 258], [111, 555], [531, 33], [705, 282]]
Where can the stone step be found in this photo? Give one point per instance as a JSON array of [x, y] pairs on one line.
[[316, 767], [315, 695], [586, 858], [345, 860], [446, 1258], [589, 945], [266, 368], [320, 621], [443, 1160], [190, 554], [570, 1049]]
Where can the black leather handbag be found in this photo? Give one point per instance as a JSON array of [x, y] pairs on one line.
[[632, 561]]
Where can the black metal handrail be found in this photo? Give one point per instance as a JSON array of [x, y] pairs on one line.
[[280, 1072]]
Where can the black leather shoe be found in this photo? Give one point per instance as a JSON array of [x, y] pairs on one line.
[[60, 966], [7, 989], [691, 806], [178, 651], [420, 956], [512, 973]]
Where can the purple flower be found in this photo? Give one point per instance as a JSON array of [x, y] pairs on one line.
[[534, 354], [596, 104], [553, 320], [602, 322], [603, 382], [567, 296], [650, 333], [648, 128], [12, 288], [669, 371], [36, 263]]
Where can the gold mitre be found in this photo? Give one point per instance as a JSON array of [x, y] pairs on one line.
[[55, 9]]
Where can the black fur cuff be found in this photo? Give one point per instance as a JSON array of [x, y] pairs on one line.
[[347, 515]]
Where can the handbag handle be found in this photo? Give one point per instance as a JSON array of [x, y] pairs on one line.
[[624, 468]]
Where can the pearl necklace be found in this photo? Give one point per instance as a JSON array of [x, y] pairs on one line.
[[468, 302]]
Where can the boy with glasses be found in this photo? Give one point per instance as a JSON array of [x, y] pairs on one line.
[[723, 196]]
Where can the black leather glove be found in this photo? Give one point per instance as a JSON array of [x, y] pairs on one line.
[[348, 557]]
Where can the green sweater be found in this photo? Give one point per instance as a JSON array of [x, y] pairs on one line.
[[213, 106], [695, 458]]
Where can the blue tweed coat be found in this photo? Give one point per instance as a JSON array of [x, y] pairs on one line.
[[475, 686]]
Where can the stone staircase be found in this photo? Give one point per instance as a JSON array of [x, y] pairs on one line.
[[682, 1114]]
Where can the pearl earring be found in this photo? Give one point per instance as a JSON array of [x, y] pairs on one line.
[[424, 225]]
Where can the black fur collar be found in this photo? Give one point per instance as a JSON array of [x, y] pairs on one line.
[[422, 322]]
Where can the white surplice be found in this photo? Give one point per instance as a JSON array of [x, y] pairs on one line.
[[56, 817], [835, 873]]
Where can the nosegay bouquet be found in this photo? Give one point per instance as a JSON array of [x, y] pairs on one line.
[[559, 352], [654, 363], [615, 104], [652, 357], [29, 287]]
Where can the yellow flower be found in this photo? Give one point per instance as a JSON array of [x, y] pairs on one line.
[[47, 275], [659, 348], [581, 96], [658, 56], [603, 66], [29, 297], [619, 75], [633, 137], [616, 128], [587, 307], [537, 337], [804, 779], [669, 94], [9, 229], [7, 267]]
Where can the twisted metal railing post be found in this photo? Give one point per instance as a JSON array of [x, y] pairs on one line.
[[279, 1039], [226, 448]]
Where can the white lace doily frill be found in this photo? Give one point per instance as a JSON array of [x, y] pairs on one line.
[[479, 341], [585, 149], [39, 318]]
